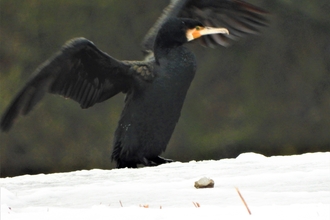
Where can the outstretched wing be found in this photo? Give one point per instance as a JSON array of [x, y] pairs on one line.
[[239, 17], [78, 71]]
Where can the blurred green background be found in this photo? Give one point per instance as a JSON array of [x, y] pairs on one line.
[[268, 94]]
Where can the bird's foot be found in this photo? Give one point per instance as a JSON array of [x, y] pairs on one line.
[[121, 164], [160, 160], [155, 161]]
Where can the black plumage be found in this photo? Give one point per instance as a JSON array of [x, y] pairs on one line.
[[156, 87]]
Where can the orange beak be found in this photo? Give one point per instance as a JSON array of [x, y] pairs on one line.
[[200, 31]]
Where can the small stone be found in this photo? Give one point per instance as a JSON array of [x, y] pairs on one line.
[[204, 183]]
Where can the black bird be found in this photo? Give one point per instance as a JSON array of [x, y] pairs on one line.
[[155, 87]]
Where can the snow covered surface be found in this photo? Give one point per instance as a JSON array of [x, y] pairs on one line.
[[279, 187]]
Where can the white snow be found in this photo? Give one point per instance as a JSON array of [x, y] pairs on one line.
[[279, 187]]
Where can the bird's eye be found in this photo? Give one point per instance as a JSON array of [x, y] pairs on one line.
[[198, 28]]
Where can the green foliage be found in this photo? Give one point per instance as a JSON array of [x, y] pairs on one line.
[[268, 94]]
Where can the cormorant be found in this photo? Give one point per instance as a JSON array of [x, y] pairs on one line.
[[155, 87]]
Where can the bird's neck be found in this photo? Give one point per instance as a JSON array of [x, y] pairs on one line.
[[163, 53], [179, 62], [163, 45]]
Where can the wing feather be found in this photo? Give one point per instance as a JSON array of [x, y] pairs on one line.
[[239, 17], [79, 71]]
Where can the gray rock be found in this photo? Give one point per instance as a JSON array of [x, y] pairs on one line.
[[204, 183]]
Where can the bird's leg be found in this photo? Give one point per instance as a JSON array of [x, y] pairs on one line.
[[147, 162], [160, 160], [121, 164], [155, 161]]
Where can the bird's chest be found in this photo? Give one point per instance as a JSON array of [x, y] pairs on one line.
[[165, 96], [176, 71], [154, 110], [160, 101]]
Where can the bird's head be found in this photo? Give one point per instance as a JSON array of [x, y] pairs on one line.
[[177, 31]]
